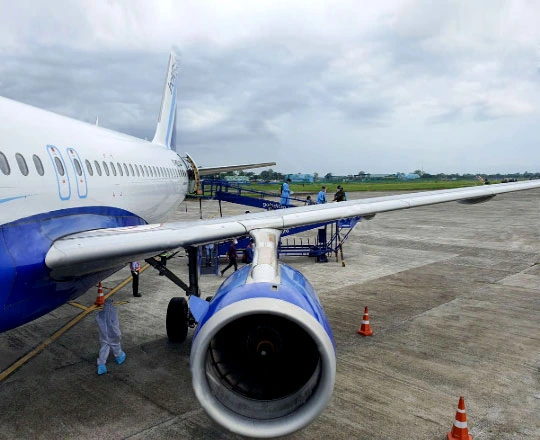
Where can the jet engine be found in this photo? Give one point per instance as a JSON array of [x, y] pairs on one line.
[[263, 358]]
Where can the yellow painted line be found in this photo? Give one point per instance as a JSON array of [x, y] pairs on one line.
[[16, 365], [76, 304]]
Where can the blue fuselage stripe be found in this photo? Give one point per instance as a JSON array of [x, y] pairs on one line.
[[27, 288]]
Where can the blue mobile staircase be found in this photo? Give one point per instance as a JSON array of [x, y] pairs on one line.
[[330, 235]]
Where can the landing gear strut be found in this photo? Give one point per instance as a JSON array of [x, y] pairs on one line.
[[179, 318]]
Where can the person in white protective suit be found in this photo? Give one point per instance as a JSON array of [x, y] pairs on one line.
[[109, 336]]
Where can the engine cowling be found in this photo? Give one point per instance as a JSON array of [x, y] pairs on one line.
[[263, 358]]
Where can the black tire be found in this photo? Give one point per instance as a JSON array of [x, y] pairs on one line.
[[177, 319]]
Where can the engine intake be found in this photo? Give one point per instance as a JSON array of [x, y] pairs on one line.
[[263, 367]]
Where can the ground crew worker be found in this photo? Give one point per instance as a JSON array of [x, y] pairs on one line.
[[208, 251], [249, 252], [135, 267], [321, 197], [162, 262], [285, 193], [340, 194], [109, 336], [232, 256]]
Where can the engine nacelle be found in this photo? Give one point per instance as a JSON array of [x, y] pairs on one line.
[[263, 358]]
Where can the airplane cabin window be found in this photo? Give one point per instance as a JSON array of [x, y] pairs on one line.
[[131, 169], [119, 169], [4, 165], [98, 168], [22, 164], [77, 167], [59, 166], [89, 167], [126, 169], [145, 170], [38, 164], [113, 169], [106, 168], [151, 171]]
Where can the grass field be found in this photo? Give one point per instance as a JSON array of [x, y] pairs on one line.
[[368, 186]]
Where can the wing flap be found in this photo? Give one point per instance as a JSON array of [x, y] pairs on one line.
[[103, 249], [223, 169]]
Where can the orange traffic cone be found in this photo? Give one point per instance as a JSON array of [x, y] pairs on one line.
[[460, 430], [100, 300], [365, 329]]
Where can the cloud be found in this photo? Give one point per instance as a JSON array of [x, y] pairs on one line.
[[307, 84]]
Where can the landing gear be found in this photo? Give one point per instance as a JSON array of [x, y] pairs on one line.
[[177, 319]]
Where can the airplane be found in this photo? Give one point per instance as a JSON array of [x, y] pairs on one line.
[[79, 202]]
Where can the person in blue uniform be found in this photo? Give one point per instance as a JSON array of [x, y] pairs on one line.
[[321, 197], [249, 252], [285, 193]]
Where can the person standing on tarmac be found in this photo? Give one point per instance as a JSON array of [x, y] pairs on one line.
[[340, 194], [208, 253], [232, 256], [249, 252], [109, 336], [321, 197], [135, 267], [162, 262]]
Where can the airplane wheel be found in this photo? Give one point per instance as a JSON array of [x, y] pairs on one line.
[[177, 319]]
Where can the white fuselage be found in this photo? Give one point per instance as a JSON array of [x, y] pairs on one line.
[[155, 183]]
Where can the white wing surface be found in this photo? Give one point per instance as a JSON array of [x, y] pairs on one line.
[[102, 249], [207, 171]]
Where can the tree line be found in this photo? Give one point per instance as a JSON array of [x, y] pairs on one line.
[[271, 175]]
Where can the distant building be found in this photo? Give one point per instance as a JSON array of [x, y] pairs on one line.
[[299, 178], [237, 178], [407, 176]]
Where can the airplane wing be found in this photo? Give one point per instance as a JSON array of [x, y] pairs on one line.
[[102, 249], [223, 169]]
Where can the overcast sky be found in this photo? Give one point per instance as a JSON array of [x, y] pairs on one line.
[[338, 86]]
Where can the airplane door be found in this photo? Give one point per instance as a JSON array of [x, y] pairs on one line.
[[59, 167], [78, 171]]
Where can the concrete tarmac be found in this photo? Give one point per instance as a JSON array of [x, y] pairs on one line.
[[454, 299]]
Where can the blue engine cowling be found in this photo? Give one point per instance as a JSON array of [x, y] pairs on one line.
[[263, 358]]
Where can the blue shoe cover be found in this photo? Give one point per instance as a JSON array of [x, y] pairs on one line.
[[101, 369], [120, 359]]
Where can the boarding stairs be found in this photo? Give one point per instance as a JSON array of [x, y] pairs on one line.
[[242, 194], [330, 235]]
